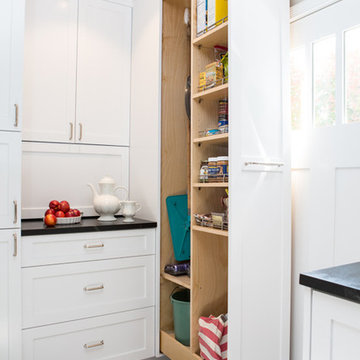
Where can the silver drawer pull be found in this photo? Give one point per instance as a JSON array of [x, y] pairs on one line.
[[15, 245], [93, 246], [15, 212], [91, 346], [16, 123], [93, 287]]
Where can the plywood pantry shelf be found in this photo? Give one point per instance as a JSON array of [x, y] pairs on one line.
[[210, 230], [174, 349], [182, 280], [216, 36], [213, 139], [214, 93], [211, 185]]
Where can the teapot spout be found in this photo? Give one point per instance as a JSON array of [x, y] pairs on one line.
[[95, 193]]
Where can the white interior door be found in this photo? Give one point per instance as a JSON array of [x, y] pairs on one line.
[[50, 70], [103, 79], [259, 233], [325, 61]]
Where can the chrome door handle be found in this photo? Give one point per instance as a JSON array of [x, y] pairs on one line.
[[15, 245], [81, 131], [278, 164], [94, 288], [15, 212], [93, 246], [90, 346], [16, 123], [71, 130]]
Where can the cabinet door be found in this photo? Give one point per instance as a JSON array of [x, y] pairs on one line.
[[50, 70], [10, 303], [103, 79], [260, 212], [11, 63], [335, 331], [10, 175]]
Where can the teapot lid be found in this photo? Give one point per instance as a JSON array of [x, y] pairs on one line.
[[107, 180]]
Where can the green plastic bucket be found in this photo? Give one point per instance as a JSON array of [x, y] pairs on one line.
[[181, 309]]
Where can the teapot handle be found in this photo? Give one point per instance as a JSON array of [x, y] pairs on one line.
[[123, 188]]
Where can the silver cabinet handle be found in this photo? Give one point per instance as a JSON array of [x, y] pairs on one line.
[[93, 246], [15, 212], [93, 288], [81, 131], [278, 164], [15, 245], [71, 130], [16, 123], [90, 346]]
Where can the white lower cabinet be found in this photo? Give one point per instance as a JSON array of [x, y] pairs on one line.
[[97, 302], [122, 336], [335, 328], [10, 279]]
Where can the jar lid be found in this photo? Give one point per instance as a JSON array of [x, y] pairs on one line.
[[222, 158], [212, 159]]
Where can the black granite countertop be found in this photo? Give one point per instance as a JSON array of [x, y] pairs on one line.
[[37, 227], [342, 281]]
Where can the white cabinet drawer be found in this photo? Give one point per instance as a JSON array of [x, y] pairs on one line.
[[123, 336], [67, 248], [57, 293]]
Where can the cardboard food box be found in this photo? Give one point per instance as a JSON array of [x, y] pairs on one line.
[[214, 73], [217, 10], [201, 15], [202, 79]]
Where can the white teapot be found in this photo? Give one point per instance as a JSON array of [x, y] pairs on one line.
[[106, 203]]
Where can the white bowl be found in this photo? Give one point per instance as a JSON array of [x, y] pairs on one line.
[[68, 220]]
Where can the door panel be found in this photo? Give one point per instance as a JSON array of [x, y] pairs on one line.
[[259, 233], [10, 177], [11, 63], [103, 81], [50, 70]]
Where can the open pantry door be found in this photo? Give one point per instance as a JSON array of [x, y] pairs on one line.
[[260, 211]]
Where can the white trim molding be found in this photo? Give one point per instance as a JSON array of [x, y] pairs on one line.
[[308, 7]]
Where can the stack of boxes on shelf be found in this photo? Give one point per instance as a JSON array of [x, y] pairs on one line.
[[210, 13]]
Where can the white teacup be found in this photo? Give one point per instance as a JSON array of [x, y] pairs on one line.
[[129, 209]]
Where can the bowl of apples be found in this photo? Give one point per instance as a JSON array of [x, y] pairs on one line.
[[60, 213]]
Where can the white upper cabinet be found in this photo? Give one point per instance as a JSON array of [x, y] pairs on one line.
[[77, 71], [11, 63], [10, 177], [103, 79], [50, 70]]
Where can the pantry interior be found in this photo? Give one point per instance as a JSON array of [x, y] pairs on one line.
[[183, 149]]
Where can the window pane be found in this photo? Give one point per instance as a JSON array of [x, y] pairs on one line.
[[324, 81], [297, 68], [352, 75]]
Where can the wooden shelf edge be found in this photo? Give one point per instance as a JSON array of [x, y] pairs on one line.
[[213, 92], [173, 349], [182, 280], [205, 38], [210, 230], [212, 139], [211, 185]]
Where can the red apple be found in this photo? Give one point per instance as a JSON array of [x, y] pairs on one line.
[[50, 211], [50, 220], [60, 213], [76, 212], [54, 204], [70, 213], [64, 206]]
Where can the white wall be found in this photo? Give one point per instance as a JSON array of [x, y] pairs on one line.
[[145, 124]]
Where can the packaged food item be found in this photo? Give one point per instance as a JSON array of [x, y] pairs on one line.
[[223, 121], [201, 15], [214, 73], [222, 163], [213, 169], [204, 171], [202, 79], [210, 132], [217, 10], [219, 52]]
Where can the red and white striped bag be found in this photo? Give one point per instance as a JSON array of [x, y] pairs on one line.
[[213, 337]]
